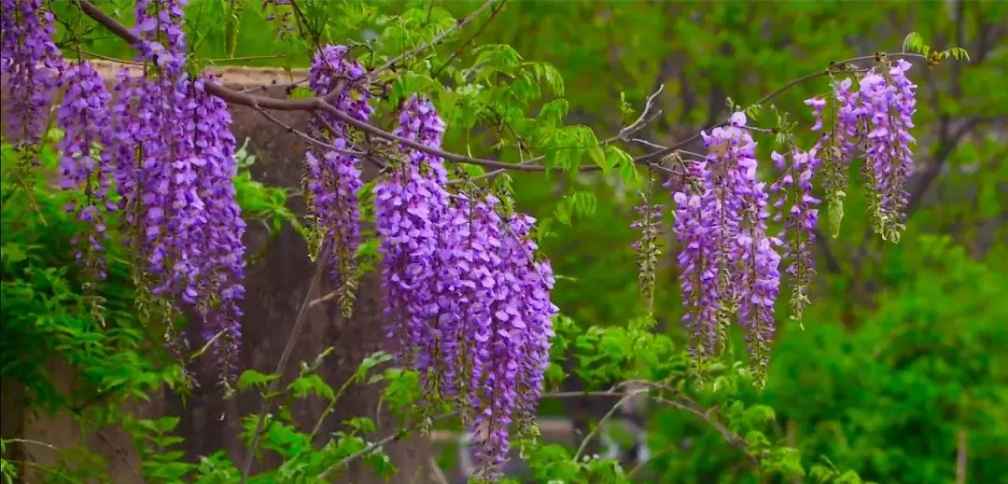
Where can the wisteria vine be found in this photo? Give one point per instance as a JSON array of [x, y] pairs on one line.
[[467, 296], [467, 300], [333, 176], [729, 264]]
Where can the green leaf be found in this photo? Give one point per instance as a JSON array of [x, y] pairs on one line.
[[310, 384], [252, 378], [369, 363], [403, 389], [576, 205]]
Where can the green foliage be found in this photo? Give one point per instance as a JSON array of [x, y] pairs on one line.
[[259, 202], [50, 318]]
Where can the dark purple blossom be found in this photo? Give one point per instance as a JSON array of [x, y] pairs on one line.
[[333, 176], [31, 65], [84, 118], [172, 155]]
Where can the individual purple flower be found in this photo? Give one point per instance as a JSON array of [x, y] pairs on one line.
[[887, 99], [32, 65], [333, 176], [818, 105], [83, 116]]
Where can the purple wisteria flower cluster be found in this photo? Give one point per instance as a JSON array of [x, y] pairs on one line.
[[31, 66], [799, 208], [729, 265], [467, 300], [333, 175], [174, 165], [84, 118], [888, 101], [878, 114], [167, 145], [728, 261]]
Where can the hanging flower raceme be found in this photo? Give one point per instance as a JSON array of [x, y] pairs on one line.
[[728, 262], [887, 99], [84, 118], [220, 250], [172, 154], [837, 149], [32, 65], [510, 332], [410, 207], [467, 302], [648, 247], [800, 207], [333, 175]]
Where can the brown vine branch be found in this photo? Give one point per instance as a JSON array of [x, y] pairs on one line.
[[320, 103]]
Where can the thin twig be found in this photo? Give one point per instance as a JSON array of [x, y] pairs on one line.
[[374, 445], [292, 338], [619, 403], [321, 103], [440, 37], [458, 50]]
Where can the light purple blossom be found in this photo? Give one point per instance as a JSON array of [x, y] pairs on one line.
[[887, 100], [728, 262]]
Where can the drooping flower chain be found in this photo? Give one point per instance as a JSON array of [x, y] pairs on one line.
[[648, 247], [84, 118], [728, 262], [467, 301], [33, 65], [173, 158], [888, 99], [333, 176]]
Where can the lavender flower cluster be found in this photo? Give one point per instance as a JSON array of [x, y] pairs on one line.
[[888, 99], [728, 262], [468, 301], [84, 118], [165, 142], [32, 66], [729, 265], [333, 175]]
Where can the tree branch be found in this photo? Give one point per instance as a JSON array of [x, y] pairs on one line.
[[321, 103]]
